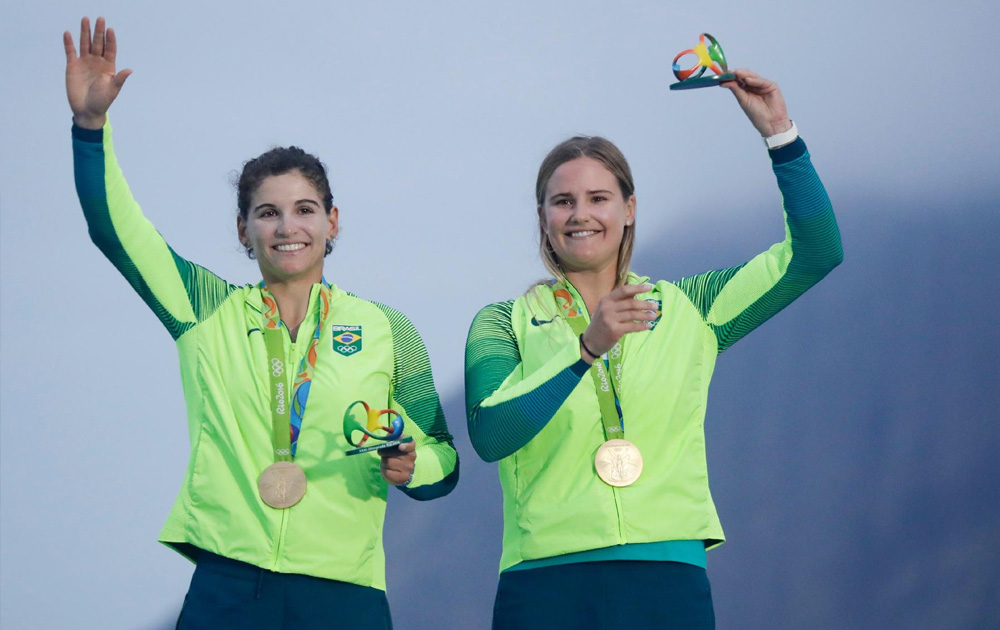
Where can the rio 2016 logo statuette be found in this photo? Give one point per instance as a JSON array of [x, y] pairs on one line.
[[360, 417], [707, 55]]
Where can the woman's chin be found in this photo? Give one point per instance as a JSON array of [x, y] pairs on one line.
[[582, 263]]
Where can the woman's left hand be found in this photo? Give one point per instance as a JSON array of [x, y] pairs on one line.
[[397, 463], [761, 101]]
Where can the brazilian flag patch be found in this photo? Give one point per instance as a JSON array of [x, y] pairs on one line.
[[347, 339]]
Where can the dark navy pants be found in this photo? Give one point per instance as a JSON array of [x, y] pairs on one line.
[[227, 593], [631, 595]]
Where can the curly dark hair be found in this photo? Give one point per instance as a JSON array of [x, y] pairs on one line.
[[278, 161]]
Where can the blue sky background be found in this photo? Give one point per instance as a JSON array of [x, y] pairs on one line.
[[852, 440]]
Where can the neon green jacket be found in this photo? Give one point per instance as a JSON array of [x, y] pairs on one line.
[[530, 407], [335, 531]]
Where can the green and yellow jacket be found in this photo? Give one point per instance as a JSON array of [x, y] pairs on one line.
[[335, 531], [530, 407]]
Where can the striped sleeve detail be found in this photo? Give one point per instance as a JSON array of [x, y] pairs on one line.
[[737, 300], [413, 394], [704, 288], [505, 409], [179, 293], [205, 290]]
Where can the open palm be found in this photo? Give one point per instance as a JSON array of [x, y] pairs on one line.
[[91, 81]]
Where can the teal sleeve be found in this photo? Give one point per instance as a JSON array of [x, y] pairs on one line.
[[734, 301], [413, 394], [506, 409], [180, 293]]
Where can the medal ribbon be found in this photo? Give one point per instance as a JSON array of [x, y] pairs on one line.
[[604, 370], [287, 411]]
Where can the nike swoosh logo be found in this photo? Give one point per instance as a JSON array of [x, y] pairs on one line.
[[535, 322]]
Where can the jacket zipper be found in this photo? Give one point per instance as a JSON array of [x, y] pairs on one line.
[[621, 518], [281, 539]]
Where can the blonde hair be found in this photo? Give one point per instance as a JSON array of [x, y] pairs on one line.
[[605, 152]]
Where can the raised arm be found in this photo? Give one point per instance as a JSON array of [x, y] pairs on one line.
[[179, 292], [736, 300]]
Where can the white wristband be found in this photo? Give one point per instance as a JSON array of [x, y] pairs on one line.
[[781, 139]]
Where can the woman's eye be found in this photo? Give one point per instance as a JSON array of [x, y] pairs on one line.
[[599, 198], [306, 209]]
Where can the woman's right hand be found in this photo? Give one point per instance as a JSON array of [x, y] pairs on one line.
[[617, 313], [91, 81]]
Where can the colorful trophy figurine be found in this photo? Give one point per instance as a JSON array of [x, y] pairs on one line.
[[359, 417], [710, 57]]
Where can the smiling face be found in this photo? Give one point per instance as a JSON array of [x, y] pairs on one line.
[[584, 215], [287, 227]]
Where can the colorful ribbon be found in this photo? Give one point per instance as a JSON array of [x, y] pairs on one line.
[[303, 380]]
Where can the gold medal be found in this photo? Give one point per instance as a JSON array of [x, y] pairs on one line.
[[282, 485], [618, 463]]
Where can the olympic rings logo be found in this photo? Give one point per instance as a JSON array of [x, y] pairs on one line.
[[277, 367], [347, 349], [615, 352]]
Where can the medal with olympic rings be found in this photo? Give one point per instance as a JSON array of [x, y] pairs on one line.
[[360, 417], [709, 56]]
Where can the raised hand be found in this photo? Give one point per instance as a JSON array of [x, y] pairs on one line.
[[617, 313], [761, 100], [91, 81]]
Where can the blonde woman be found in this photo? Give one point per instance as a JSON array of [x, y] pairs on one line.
[[590, 390]]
